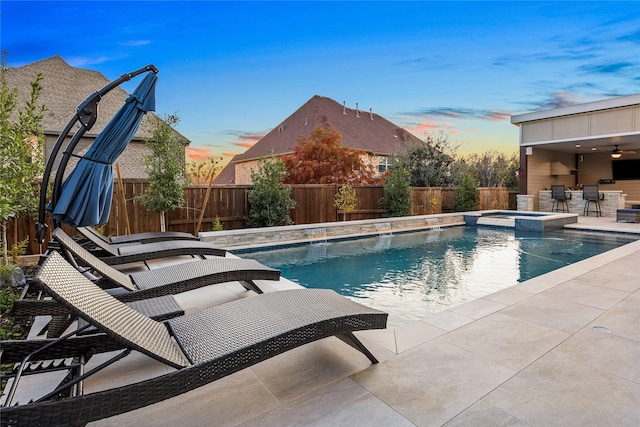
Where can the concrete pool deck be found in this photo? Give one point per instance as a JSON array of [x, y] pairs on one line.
[[562, 349]]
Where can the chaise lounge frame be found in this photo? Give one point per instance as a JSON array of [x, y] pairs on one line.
[[124, 254], [173, 279], [142, 238], [152, 284], [211, 344]]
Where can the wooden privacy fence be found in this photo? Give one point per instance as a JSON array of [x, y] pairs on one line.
[[314, 204]]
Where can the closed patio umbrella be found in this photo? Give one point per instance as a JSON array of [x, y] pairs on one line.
[[85, 196]]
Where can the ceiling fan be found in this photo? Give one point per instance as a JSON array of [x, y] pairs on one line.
[[617, 153]]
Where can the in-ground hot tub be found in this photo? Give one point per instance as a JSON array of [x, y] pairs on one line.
[[528, 221]]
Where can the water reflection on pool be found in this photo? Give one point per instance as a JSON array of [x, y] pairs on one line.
[[413, 274]]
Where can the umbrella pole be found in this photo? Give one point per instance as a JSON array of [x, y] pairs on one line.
[[124, 200]]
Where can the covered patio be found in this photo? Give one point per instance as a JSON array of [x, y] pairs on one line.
[[596, 143]]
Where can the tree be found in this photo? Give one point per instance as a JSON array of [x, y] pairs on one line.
[[494, 169], [165, 167], [202, 171], [396, 200], [322, 159], [345, 200], [430, 163], [269, 198], [467, 198], [21, 152]]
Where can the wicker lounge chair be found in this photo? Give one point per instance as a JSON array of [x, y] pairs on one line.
[[202, 347], [160, 282], [173, 279], [148, 237], [124, 254]]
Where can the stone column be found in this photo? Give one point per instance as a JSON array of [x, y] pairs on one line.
[[524, 202]]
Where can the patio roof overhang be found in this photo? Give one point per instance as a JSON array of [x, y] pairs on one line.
[[593, 127]]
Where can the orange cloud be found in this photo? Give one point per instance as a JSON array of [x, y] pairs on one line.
[[427, 128], [252, 137], [228, 154], [424, 127], [198, 153], [245, 144]]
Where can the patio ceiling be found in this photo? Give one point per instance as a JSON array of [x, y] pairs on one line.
[[604, 144], [584, 128]]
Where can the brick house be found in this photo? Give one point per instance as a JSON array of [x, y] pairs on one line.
[[63, 88], [363, 130]]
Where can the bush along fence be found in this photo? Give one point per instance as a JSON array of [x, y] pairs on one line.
[[229, 203]]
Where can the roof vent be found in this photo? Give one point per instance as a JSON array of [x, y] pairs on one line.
[[344, 107], [306, 121], [371, 113], [357, 111]]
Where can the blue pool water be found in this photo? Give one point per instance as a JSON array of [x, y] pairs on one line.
[[413, 274]]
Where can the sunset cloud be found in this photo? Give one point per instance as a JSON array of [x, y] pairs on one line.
[[460, 113], [245, 139], [245, 144], [254, 137], [432, 126], [198, 153], [462, 68]]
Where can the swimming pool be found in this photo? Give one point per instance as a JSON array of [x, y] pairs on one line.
[[411, 275]]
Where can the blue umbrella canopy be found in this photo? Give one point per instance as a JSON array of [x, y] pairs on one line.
[[85, 196]]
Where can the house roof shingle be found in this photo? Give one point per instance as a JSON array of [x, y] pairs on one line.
[[363, 130], [63, 88]]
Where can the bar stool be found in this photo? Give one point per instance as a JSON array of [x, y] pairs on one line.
[[560, 196], [591, 195]]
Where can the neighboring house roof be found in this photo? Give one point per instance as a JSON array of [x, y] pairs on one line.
[[363, 130], [63, 88], [227, 175]]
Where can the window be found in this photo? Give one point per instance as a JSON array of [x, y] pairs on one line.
[[385, 164]]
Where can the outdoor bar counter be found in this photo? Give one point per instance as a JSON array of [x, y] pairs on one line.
[[613, 200]]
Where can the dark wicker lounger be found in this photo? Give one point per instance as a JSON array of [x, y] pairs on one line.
[[172, 279], [208, 345], [160, 282], [148, 237], [115, 255]]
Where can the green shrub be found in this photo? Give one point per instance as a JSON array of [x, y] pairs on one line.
[[269, 198], [397, 193], [217, 225], [467, 198]]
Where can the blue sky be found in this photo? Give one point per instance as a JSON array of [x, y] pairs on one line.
[[234, 70]]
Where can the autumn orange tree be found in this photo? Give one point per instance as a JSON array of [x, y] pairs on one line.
[[322, 159]]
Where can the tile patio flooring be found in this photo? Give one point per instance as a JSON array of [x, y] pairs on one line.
[[525, 356]]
